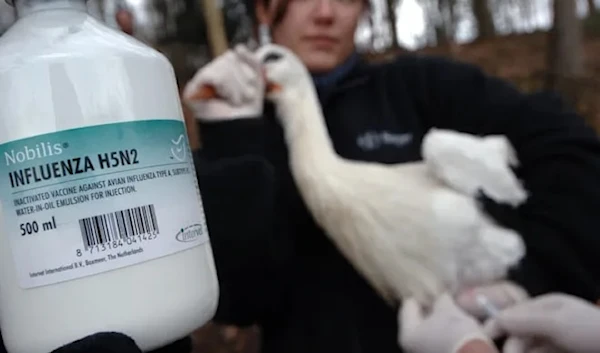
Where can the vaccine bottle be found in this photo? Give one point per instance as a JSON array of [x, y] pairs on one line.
[[101, 220]]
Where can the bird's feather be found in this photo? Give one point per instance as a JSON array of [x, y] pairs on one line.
[[472, 164]]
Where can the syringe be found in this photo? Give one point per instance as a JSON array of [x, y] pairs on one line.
[[487, 306]]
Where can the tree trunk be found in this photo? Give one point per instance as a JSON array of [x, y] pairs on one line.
[[527, 11], [485, 21], [565, 47], [392, 5], [449, 18], [591, 7], [215, 27], [102, 10], [444, 30]]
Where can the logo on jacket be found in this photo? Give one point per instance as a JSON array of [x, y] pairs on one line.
[[372, 140]]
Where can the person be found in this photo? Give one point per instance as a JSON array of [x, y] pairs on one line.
[[447, 329], [549, 323], [314, 300], [124, 19], [562, 322]]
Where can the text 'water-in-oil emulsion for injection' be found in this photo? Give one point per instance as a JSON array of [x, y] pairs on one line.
[[102, 226]]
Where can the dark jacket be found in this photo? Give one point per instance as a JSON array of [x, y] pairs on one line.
[[277, 268]]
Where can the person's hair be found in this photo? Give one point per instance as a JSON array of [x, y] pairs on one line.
[[281, 9], [279, 12]]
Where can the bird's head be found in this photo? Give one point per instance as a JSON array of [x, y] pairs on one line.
[[284, 72]]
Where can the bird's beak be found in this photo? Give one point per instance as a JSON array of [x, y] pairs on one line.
[[205, 92], [272, 87]]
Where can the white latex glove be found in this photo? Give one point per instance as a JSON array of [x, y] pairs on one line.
[[501, 294], [446, 330], [559, 320], [237, 77]]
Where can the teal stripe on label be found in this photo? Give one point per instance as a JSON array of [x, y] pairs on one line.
[[79, 153], [107, 196]]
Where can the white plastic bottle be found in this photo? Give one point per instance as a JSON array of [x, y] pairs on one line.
[[102, 226]]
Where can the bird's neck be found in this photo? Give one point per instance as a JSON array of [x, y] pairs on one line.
[[305, 130]]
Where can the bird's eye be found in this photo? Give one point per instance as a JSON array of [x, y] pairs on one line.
[[272, 57]]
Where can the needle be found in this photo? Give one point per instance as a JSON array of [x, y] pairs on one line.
[[489, 308]]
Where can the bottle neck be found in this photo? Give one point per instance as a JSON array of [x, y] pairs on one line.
[[27, 7]]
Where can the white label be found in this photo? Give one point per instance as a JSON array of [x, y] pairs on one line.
[[85, 201]]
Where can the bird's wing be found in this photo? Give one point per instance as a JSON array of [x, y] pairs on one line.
[[471, 164], [483, 251]]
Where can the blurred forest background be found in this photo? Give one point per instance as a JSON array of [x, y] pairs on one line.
[[536, 44]]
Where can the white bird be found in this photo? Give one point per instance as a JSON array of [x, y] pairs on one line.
[[412, 229]]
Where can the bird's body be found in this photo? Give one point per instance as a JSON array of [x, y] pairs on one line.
[[412, 230], [403, 229]]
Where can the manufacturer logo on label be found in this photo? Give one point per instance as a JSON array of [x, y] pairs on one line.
[[40, 150], [178, 150], [189, 233]]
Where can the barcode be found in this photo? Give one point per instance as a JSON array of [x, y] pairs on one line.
[[105, 228]]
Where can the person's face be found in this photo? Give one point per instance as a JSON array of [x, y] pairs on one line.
[[320, 32]]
